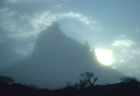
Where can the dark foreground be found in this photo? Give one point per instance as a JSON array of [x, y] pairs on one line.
[[120, 89]]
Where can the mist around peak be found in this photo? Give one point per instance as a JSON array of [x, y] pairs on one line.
[[57, 60]]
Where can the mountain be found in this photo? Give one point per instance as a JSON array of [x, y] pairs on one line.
[[57, 60]]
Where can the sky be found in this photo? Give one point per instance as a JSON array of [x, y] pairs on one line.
[[105, 24]]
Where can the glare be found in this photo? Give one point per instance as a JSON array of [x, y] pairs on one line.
[[104, 56]]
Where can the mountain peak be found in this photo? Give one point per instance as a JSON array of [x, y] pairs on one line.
[[54, 30], [55, 25], [49, 38], [56, 60]]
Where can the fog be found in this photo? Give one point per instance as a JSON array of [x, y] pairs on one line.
[[110, 25]]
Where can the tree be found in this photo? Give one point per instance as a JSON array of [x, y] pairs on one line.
[[87, 45], [128, 79], [87, 79], [32, 86], [6, 80]]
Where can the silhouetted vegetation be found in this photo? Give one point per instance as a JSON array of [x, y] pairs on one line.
[[87, 79], [128, 79], [6, 80], [129, 86]]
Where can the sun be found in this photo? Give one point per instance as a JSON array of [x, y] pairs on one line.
[[104, 56]]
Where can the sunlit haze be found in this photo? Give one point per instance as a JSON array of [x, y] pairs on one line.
[[104, 56], [30, 41]]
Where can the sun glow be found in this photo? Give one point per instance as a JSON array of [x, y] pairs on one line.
[[104, 56]]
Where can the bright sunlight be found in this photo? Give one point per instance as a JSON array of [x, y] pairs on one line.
[[104, 56]]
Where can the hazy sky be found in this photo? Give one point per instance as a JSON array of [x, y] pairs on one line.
[[108, 24]]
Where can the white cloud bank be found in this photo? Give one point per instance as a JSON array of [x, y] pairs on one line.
[[123, 43], [127, 54]]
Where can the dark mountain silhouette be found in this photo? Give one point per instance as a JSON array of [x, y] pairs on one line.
[[57, 60]]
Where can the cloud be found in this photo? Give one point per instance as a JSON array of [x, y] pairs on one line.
[[59, 5], [14, 24], [123, 43], [123, 50], [137, 30], [1, 41], [11, 1], [127, 54], [66, 0], [22, 27], [77, 16], [46, 18], [32, 6], [19, 28], [136, 51], [17, 25]]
